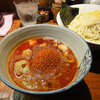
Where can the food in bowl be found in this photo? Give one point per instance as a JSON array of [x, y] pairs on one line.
[[87, 25], [42, 64], [85, 22], [80, 49]]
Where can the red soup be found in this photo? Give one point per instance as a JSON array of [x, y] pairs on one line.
[[42, 64]]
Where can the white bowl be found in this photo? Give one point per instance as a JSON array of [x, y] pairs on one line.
[[83, 8], [80, 49]]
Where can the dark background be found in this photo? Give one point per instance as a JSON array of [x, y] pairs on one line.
[[7, 6]]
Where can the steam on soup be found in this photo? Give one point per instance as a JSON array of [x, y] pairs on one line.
[[42, 64]]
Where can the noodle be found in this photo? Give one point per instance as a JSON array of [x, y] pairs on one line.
[[87, 25]]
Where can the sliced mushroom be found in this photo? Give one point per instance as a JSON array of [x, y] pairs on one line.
[[27, 53], [21, 67], [62, 47]]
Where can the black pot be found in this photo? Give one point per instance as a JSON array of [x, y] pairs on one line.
[[1, 19]]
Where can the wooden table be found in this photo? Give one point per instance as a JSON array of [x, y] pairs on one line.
[[87, 89]]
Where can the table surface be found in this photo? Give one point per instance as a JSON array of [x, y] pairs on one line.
[[87, 89]]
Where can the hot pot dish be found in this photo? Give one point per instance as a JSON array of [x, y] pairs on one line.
[[43, 59]]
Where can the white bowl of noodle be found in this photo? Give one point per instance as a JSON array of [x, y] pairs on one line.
[[86, 24]]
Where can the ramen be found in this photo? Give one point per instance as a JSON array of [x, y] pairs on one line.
[[87, 25], [42, 64]]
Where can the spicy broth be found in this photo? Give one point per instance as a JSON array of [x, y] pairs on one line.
[[42, 64]]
